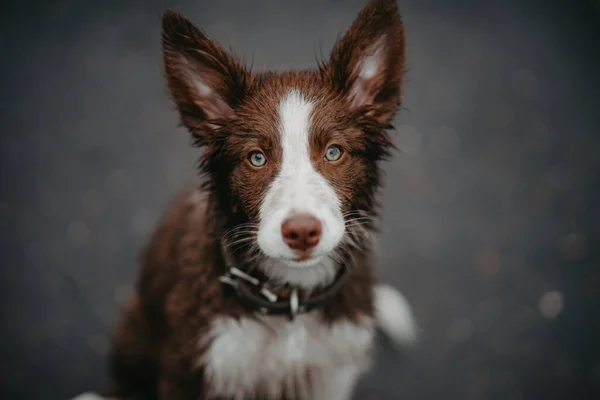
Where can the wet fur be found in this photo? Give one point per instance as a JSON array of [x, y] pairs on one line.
[[180, 334]]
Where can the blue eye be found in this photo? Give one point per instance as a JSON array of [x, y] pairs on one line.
[[333, 153], [258, 159]]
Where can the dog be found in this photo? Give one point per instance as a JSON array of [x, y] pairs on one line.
[[258, 282]]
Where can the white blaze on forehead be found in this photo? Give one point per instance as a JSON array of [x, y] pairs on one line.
[[298, 187], [298, 183], [295, 117]]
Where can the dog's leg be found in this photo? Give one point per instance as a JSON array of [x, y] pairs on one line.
[[132, 363], [394, 315], [336, 383]]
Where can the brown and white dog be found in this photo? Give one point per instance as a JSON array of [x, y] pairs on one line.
[[258, 284]]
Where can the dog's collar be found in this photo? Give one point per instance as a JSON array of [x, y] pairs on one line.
[[256, 295]]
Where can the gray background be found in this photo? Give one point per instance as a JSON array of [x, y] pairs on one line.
[[491, 209]]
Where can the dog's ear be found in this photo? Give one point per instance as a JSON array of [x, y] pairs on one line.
[[367, 63], [206, 83]]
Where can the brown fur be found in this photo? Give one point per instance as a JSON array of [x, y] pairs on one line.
[[178, 292]]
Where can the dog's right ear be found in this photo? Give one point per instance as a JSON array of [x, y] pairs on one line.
[[206, 83]]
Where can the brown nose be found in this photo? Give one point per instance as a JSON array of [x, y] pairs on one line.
[[301, 232]]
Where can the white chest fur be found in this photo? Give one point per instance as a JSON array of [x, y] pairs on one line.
[[273, 352]]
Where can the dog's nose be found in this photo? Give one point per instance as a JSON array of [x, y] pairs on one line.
[[301, 232]]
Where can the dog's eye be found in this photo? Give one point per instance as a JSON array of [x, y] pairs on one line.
[[258, 159], [333, 153]]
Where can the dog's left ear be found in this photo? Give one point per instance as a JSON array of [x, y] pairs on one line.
[[206, 82], [367, 63]]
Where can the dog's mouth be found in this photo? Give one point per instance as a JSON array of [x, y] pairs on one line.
[[303, 261]]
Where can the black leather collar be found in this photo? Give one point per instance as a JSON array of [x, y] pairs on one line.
[[255, 294]]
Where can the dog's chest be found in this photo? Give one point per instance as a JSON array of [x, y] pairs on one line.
[[270, 352]]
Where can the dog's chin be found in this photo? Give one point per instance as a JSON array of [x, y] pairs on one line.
[[312, 272]]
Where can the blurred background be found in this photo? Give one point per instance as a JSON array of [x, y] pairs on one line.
[[491, 212]]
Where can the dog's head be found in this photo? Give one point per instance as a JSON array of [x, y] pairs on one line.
[[291, 157]]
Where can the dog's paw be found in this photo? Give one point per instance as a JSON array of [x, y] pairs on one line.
[[394, 316], [89, 396]]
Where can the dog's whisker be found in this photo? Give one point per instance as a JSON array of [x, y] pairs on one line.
[[242, 248], [244, 225], [241, 240], [337, 257], [360, 218], [359, 213], [356, 224], [238, 233]]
